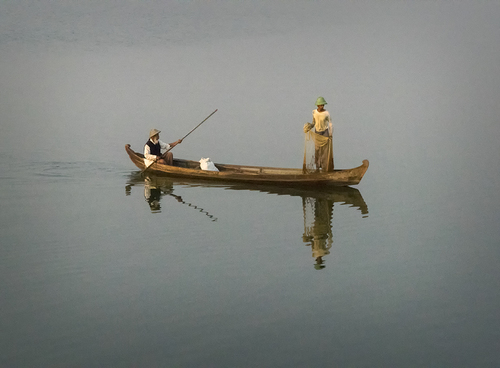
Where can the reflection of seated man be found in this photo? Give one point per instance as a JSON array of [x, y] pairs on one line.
[[154, 147], [152, 195]]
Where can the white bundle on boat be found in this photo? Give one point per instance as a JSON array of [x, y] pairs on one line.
[[207, 164]]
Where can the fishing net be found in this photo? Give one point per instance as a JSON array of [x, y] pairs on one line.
[[318, 152]]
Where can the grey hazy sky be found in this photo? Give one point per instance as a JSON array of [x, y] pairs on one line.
[[403, 78]]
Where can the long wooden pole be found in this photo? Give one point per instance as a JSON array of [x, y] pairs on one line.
[[143, 171]]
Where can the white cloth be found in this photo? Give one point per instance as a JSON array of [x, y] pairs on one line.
[[148, 157], [322, 121], [207, 164]]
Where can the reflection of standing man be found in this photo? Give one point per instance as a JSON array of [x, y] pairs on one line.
[[317, 227]]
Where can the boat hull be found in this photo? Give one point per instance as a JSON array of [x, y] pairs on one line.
[[251, 174]]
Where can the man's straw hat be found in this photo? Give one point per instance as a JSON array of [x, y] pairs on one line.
[[153, 132]]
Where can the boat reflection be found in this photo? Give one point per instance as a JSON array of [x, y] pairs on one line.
[[317, 205], [155, 188]]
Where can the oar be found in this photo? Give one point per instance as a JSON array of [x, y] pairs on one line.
[[143, 171]]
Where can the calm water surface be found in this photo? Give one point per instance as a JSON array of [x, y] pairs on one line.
[[102, 267]]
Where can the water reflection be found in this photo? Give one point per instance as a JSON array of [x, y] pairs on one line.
[[155, 188], [317, 206], [318, 227]]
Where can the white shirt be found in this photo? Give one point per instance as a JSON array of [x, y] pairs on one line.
[[322, 121], [148, 157]]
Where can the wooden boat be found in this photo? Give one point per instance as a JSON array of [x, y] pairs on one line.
[[251, 174]]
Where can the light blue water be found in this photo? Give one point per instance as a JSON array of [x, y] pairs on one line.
[[94, 274]]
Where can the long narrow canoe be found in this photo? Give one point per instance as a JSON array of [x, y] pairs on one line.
[[251, 174]]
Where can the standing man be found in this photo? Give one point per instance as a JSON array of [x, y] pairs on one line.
[[323, 127], [322, 121], [154, 147]]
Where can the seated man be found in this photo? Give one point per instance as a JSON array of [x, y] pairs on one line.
[[153, 149]]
